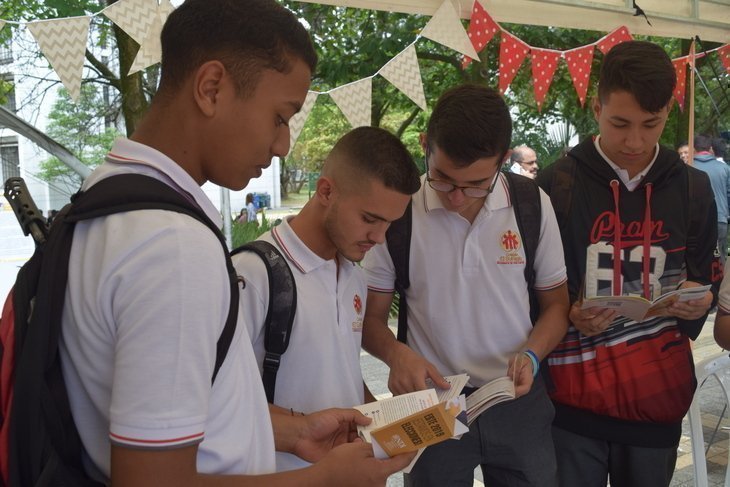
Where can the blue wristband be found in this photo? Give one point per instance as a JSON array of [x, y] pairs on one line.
[[535, 362]]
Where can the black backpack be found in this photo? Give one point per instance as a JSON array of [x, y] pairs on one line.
[[525, 197], [40, 443], [280, 311]]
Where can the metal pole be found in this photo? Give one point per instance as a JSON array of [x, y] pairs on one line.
[[226, 213]]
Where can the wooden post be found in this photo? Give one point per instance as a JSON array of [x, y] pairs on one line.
[[691, 107]]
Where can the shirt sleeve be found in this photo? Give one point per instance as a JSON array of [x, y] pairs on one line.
[[549, 263], [379, 269], [168, 298]]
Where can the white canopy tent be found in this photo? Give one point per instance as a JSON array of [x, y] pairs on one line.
[[708, 19]]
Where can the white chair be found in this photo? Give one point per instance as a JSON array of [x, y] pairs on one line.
[[717, 366]]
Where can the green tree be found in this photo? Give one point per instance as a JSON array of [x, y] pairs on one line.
[[80, 127]]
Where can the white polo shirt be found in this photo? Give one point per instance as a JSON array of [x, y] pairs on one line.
[[468, 303], [147, 299], [321, 367]]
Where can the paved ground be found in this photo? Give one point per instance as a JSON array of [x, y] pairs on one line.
[[15, 249]]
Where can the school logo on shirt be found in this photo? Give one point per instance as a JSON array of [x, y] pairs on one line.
[[357, 305], [510, 243]]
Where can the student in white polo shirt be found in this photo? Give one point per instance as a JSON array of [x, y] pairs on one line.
[[467, 304], [365, 183], [148, 291]]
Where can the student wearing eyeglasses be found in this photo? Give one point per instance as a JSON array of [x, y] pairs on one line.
[[467, 305]]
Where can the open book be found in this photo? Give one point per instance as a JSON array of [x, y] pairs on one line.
[[638, 308], [419, 419]]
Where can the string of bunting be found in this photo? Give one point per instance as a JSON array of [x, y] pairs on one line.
[[63, 43]]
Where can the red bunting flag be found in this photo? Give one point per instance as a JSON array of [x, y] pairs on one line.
[[680, 67], [482, 28], [544, 64], [611, 39], [512, 52], [724, 53], [579, 66]]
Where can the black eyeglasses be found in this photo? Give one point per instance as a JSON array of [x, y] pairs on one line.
[[447, 187]]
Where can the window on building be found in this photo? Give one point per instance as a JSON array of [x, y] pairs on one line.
[[6, 53], [10, 158]]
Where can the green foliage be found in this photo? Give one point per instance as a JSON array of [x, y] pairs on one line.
[[79, 127], [242, 233]]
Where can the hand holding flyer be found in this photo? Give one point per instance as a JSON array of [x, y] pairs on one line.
[[639, 309]]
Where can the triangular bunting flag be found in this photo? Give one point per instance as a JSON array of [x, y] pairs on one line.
[[403, 71], [512, 52], [680, 67], [165, 10], [63, 42], [544, 64], [296, 123], [355, 101], [2, 24], [724, 53], [579, 66], [445, 28], [481, 29], [150, 51], [133, 16], [616, 37]]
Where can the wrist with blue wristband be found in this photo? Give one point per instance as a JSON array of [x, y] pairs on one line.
[[535, 361]]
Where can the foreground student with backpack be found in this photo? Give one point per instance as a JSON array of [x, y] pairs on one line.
[[365, 184], [635, 220], [146, 321], [472, 271]]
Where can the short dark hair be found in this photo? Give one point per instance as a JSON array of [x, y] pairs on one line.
[[470, 122], [702, 142], [642, 69], [247, 36], [372, 152], [682, 144], [719, 146]]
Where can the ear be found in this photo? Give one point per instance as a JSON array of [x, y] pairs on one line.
[[325, 190], [422, 141], [670, 105], [596, 106], [208, 83], [506, 158]]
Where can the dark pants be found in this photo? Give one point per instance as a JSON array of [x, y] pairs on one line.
[[511, 441], [587, 462]]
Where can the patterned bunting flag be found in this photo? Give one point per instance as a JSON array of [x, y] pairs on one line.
[[2, 24], [133, 16], [544, 64], [404, 73], [445, 28], [724, 53], [481, 29], [150, 50], [355, 101], [512, 52], [579, 66], [680, 67], [616, 37], [63, 42], [296, 123]]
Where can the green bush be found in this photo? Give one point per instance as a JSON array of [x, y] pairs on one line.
[[242, 233]]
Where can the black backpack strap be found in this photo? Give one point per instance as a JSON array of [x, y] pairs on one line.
[[525, 196], [129, 192], [561, 189], [280, 311], [398, 238]]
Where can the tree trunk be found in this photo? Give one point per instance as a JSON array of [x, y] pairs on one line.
[[134, 101]]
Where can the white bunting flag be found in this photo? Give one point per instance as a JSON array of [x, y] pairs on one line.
[[150, 50], [2, 24], [63, 42], [133, 16], [355, 101], [405, 74], [445, 28], [296, 123]]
